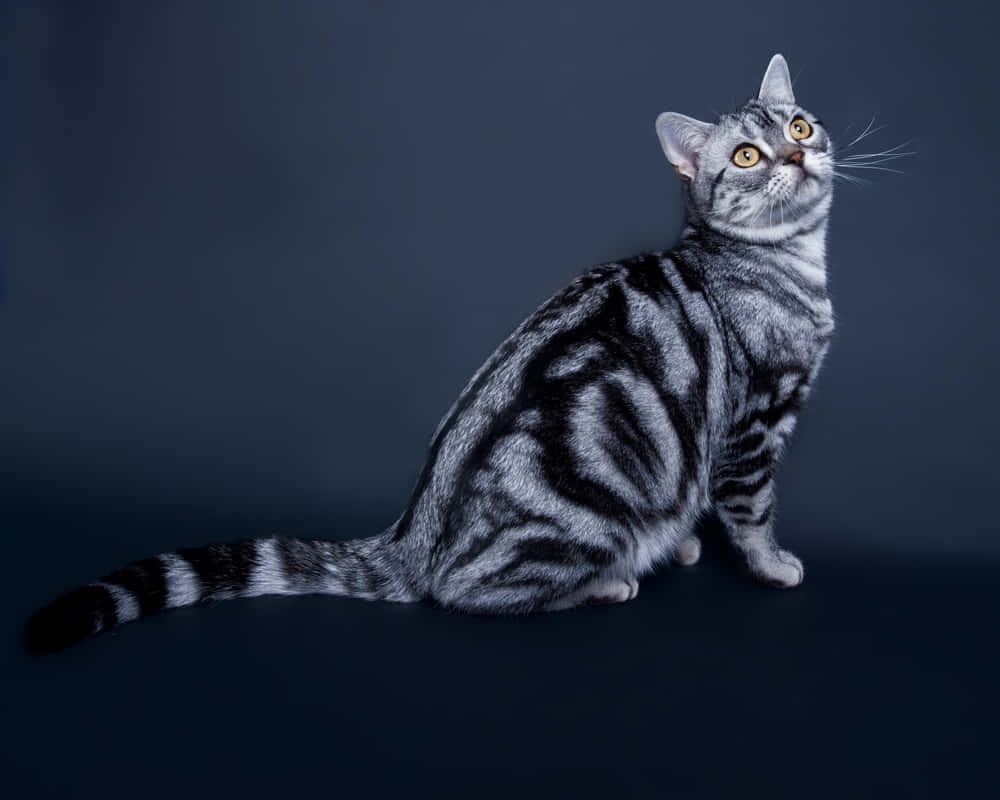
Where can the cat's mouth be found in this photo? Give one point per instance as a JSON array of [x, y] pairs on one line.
[[794, 180], [801, 171]]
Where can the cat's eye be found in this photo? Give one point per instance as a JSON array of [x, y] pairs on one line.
[[746, 155], [800, 129]]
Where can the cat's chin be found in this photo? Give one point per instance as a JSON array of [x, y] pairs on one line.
[[808, 184]]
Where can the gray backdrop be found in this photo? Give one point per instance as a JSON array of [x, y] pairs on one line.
[[256, 249]]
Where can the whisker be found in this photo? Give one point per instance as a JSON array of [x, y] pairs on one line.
[[753, 219], [876, 158], [890, 151], [850, 178], [867, 131], [872, 133], [863, 163], [869, 166], [863, 132]]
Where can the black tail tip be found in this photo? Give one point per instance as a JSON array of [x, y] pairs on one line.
[[68, 620]]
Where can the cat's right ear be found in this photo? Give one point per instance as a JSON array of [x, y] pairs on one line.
[[682, 138]]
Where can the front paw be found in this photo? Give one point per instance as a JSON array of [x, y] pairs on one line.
[[777, 568]]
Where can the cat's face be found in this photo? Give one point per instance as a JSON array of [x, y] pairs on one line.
[[759, 172]]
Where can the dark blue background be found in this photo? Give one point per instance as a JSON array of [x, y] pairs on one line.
[[256, 249]]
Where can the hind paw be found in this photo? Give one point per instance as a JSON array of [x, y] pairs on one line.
[[688, 551], [602, 591]]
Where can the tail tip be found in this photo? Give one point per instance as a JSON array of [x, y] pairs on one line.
[[64, 622]]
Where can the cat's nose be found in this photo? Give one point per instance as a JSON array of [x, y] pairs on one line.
[[795, 158]]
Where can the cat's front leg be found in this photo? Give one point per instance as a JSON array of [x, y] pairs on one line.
[[745, 507]]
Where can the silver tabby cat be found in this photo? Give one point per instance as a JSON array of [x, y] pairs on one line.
[[582, 453]]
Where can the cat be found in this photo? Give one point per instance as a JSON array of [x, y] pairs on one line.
[[647, 393]]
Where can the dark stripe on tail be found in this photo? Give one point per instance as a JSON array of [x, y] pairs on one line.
[[145, 580], [222, 569]]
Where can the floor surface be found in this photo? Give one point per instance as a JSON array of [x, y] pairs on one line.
[[875, 678]]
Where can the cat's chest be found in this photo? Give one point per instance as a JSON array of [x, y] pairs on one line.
[[778, 335], [778, 322]]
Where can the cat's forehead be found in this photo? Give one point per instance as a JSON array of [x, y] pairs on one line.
[[756, 117]]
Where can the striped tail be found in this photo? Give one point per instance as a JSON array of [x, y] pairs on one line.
[[364, 568]]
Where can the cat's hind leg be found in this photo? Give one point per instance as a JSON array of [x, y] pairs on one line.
[[601, 590]]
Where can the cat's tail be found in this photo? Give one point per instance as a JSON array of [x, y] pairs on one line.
[[365, 568]]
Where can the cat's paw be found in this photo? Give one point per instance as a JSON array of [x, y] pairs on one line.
[[615, 591], [600, 591], [688, 551], [778, 568]]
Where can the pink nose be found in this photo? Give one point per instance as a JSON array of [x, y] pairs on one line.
[[795, 158]]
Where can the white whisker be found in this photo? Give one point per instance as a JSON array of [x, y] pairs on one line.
[[873, 160], [869, 166], [850, 178], [868, 131], [890, 151]]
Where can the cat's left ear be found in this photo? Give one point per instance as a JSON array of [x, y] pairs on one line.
[[682, 138], [777, 84]]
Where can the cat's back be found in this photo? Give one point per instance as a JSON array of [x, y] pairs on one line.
[[624, 337], [641, 315]]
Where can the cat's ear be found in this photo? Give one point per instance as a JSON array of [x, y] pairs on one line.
[[682, 139], [777, 84]]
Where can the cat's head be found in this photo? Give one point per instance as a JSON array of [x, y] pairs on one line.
[[757, 173]]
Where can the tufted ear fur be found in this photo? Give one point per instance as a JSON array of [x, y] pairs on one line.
[[777, 84], [682, 139]]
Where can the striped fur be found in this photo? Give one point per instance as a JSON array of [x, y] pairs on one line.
[[648, 392]]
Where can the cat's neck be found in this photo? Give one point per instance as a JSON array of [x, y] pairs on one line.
[[802, 250], [774, 295]]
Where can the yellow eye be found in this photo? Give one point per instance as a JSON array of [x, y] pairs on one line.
[[746, 155], [800, 129]]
